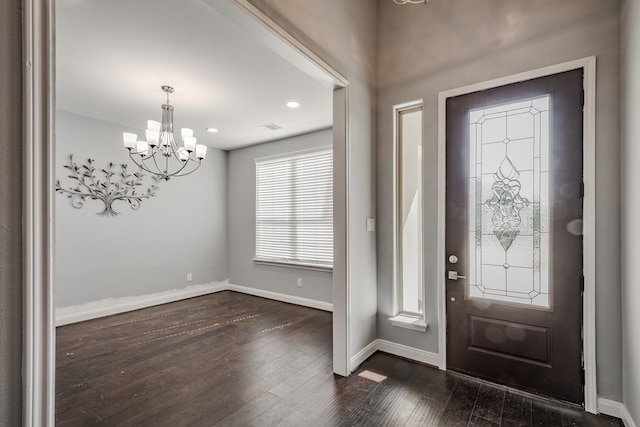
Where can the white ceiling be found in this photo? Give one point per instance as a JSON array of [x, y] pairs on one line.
[[112, 57]]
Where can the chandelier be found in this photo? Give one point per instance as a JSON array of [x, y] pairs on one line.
[[160, 154]]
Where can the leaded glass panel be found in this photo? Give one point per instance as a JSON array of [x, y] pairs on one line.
[[509, 215]]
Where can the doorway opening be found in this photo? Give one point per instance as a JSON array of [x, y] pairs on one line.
[[39, 336]]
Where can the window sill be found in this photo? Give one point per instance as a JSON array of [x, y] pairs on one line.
[[316, 267], [408, 322]]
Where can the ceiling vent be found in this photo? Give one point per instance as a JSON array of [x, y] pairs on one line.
[[270, 126]]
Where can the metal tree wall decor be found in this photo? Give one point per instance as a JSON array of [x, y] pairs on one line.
[[113, 187]]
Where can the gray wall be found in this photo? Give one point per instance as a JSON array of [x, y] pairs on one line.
[[426, 49], [343, 33], [10, 213], [181, 230], [241, 210], [630, 155]]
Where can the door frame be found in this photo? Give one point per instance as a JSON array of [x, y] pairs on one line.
[[588, 64], [38, 106]]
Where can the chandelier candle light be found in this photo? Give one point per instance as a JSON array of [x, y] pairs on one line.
[[160, 154]]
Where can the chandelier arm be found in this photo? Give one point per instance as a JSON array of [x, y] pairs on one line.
[[174, 149], [191, 171], [177, 157], [174, 153], [166, 160], [155, 162], [141, 164], [166, 174], [179, 171], [197, 165], [146, 168]]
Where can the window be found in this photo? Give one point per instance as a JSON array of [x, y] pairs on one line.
[[409, 299], [294, 209]]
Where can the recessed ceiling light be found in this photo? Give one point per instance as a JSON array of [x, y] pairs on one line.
[[270, 126], [212, 130], [293, 104]]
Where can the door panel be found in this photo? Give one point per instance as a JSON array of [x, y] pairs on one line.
[[485, 334], [513, 221]]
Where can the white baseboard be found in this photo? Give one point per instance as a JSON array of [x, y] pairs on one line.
[[615, 409], [320, 305], [610, 407], [110, 306], [396, 349], [626, 417], [363, 355], [410, 353]]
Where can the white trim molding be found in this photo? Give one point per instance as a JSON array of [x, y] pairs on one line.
[[626, 417], [291, 299], [38, 188], [615, 409], [110, 306], [360, 357], [398, 310], [409, 322], [410, 353], [588, 64], [396, 349]]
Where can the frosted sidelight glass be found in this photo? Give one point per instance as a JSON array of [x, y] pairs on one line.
[[509, 212]]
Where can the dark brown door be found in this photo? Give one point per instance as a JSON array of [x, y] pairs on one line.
[[513, 227]]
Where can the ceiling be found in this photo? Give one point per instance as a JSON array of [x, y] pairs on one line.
[[112, 57]]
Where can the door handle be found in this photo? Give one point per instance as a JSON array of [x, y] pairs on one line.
[[453, 275]]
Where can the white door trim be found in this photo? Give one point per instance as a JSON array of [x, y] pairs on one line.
[[38, 189], [38, 192], [589, 221]]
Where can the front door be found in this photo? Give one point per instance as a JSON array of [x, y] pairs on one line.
[[514, 235]]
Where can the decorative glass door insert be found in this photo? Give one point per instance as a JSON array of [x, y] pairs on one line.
[[509, 217]]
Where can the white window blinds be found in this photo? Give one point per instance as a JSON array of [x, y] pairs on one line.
[[294, 209]]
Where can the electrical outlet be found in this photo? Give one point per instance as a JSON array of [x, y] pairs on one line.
[[299, 282], [189, 277]]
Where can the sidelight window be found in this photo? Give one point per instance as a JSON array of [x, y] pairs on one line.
[[409, 283]]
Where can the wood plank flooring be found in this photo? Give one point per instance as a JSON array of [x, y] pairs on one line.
[[229, 359]]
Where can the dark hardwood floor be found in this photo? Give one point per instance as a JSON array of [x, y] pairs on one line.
[[229, 359]]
